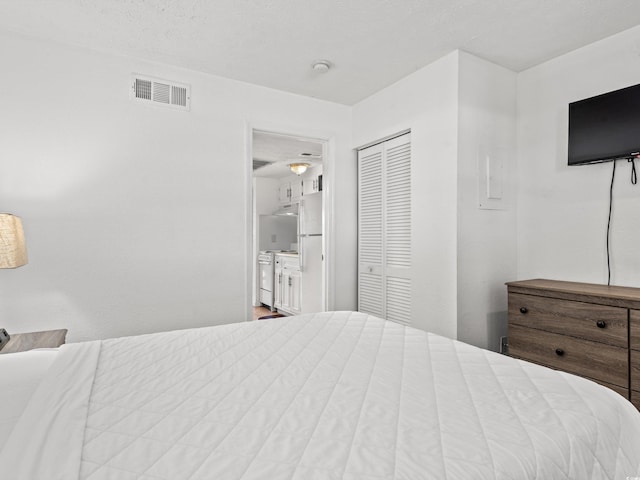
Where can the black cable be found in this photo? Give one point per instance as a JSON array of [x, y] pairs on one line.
[[634, 175], [613, 176], [634, 181]]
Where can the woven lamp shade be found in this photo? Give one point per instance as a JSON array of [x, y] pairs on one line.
[[13, 252]]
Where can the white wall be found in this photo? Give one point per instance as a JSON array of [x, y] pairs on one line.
[[136, 216], [486, 237], [456, 108], [562, 211], [553, 221], [265, 195], [427, 103]]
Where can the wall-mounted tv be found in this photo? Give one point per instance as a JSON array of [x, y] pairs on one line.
[[606, 127]]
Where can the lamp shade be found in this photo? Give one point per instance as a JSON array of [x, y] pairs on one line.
[[299, 168], [13, 252]]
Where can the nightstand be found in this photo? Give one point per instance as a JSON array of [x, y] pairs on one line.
[[21, 342]]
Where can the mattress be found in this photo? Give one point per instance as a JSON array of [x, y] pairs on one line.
[[337, 395]]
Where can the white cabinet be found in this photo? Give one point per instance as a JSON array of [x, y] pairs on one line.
[[277, 281], [312, 180], [290, 190], [296, 189], [287, 284], [291, 291], [284, 194], [293, 187]]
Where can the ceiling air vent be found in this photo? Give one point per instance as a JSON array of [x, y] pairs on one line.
[[259, 163], [161, 92]]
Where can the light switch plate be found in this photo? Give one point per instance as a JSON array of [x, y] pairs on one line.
[[492, 177]]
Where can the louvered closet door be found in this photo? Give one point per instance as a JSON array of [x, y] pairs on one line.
[[385, 230], [370, 223]]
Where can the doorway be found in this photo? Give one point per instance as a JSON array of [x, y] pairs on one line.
[[288, 256]]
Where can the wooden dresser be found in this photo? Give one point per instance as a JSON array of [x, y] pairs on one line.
[[585, 329], [634, 357]]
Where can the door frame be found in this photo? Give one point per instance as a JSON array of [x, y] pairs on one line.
[[328, 169]]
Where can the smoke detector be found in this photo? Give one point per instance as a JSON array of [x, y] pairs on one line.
[[321, 66]]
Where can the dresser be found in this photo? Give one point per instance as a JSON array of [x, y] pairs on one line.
[[586, 329], [634, 356]]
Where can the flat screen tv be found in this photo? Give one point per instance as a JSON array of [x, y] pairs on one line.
[[606, 127]]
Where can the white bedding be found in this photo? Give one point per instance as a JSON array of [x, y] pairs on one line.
[[20, 375], [327, 396]]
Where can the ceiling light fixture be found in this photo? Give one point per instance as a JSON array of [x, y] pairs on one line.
[[321, 66], [299, 168]]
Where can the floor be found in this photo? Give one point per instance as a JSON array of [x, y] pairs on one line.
[[260, 312]]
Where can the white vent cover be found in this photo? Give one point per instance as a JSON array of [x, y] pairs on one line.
[[161, 92]]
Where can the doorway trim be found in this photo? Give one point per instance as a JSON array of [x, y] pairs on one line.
[[328, 169]]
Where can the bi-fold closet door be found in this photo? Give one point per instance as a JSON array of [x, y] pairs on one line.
[[384, 229]]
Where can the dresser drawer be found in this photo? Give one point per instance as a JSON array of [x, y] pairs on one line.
[[634, 330], [604, 363], [635, 370], [624, 392], [634, 356], [599, 323]]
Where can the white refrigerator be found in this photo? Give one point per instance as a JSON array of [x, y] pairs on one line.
[[310, 253]]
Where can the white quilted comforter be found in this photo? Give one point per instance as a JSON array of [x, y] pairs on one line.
[[316, 397]]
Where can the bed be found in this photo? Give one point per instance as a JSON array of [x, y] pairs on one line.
[[337, 395]]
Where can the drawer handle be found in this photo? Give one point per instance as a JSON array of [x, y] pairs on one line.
[[559, 352], [601, 324], [523, 310]]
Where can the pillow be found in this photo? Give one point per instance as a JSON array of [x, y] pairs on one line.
[[20, 375]]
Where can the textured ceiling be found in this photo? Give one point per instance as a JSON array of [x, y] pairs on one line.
[[371, 43], [282, 150]]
